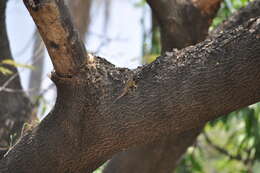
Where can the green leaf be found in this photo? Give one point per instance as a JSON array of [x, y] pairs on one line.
[[15, 64], [5, 71], [195, 164], [150, 58]]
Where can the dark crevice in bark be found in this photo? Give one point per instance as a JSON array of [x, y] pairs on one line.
[[15, 107]]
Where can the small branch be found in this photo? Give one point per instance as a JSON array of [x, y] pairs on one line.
[[222, 150], [65, 48]]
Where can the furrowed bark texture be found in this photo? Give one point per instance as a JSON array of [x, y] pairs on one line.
[[15, 107], [163, 155], [92, 120], [183, 23]]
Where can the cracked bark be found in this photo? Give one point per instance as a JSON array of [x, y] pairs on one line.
[[86, 127], [15, 107]]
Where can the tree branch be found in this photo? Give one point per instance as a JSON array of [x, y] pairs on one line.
[[194, 85], [190, 27], [163, 155], [222, 150], [62, 41]]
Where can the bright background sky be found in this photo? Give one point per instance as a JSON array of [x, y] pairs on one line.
[[124, 29]]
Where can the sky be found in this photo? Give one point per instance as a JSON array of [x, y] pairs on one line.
[[124, 30]]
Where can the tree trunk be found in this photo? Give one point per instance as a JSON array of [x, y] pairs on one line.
[[159, 156], [15, 107], [183, 23]]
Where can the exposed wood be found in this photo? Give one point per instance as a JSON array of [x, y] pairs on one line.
[[182, 23], [66, 50], [207, 6], [190, 87]]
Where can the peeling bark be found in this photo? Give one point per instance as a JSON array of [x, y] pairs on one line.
[[89, 123]]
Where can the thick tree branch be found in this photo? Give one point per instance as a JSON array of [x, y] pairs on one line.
[[89, 124], [163, 155], [62, 41]]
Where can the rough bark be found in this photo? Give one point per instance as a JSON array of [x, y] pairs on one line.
[[91, 120], [183, 23], [15, 107], [161, 156]]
